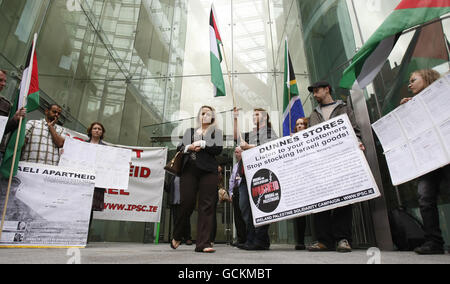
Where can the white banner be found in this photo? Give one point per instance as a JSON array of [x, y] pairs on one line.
[[142, 201], [315, 170], [48, 206]]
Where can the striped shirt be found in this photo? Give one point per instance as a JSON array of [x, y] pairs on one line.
[[40, 147]]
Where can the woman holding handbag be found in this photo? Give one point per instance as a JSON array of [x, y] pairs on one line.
[[199, 177]]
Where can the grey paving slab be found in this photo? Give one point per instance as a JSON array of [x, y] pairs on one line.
[[126, 253]]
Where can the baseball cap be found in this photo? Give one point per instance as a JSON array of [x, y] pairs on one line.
[[319, 85]]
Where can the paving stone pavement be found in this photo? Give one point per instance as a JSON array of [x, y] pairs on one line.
[[131, 253]]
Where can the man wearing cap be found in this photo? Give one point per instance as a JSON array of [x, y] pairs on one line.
[[332, 226]]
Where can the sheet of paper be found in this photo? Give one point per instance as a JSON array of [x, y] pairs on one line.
[[3, 122], [389, 132], [444, 130], [437, 100], [112, 167], [413, 118], [401, 164], [78, 154], [111, 164], [428, 151]]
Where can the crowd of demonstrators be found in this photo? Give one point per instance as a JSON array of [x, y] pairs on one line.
[[199, 183]]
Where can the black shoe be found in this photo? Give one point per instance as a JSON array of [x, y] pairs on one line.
[[236, 244], [429, 248], [255, 247], [300, 247]]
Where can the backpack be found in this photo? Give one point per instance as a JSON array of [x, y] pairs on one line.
[[407, 231]]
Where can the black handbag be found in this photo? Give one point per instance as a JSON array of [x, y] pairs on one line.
[[175, 165]]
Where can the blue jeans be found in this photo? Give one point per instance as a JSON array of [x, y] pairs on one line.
[[255, 236]]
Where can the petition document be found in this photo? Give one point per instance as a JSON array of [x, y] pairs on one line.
[[416, 136], [111, 164]]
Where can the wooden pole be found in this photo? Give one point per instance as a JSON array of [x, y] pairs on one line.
[[231, 87]]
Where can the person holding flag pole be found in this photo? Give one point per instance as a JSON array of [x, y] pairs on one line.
[[29, 96]]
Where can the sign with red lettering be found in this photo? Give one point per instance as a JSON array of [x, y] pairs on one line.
[[317, 169]]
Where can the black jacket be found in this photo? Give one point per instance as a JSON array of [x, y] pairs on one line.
[[204, 159]]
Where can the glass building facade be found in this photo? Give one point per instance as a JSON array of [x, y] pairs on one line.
[[141, 67]]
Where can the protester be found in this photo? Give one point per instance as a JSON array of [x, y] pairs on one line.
[[233, 192], [44, 138], [332, 226], [5, 108], [172, 187], [96, 133], [429, 184], [300, 223], [220, 192], [199, 177], [257, 238]]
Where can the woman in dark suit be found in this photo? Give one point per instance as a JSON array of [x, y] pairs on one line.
[[199, 177]]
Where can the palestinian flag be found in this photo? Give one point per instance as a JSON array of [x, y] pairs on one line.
[[216, 57], [28, 97], [427, 49], [292, 105], [370, 59]]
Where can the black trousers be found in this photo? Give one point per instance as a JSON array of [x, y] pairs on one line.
[[196, 182], [428, 191], [334, 225], [187, 227], [299, 230], [241, 231]]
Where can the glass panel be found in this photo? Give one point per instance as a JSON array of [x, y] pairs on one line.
[[20, 20], [252, 42]]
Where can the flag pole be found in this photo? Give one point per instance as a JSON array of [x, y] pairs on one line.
[[230, 81], [290, 108], [229, 75], [288, 83], [27, 87]]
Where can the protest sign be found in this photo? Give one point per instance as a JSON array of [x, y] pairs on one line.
[[318, 169], [111, 164], [416, 135], [48, 207], [142, 201]]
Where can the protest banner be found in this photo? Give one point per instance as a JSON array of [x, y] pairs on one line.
[[315, 170], [142, 201], [49, 207], [416, 135]]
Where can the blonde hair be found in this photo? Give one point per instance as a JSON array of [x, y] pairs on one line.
[[428, 75], [213, 118]]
